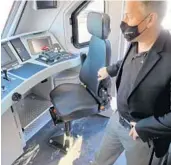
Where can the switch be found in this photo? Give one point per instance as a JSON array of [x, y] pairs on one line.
[[3, 88], [6, 75]]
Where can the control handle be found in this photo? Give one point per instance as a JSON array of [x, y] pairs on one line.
[[5, 72], [16, 97]]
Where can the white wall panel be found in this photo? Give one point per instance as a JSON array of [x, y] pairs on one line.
[[36, 20], [62, 29]]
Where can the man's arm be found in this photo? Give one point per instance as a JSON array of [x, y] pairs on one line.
[[153, 127], [113, 69]]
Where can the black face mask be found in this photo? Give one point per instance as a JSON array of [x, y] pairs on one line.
[[131, 32]]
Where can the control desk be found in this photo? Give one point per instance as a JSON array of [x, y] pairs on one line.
[[28, 65], [27, 62]]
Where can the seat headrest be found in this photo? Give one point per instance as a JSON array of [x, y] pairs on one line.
[[98, 24]]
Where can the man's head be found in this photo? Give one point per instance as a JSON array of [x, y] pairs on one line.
[[146, 15]]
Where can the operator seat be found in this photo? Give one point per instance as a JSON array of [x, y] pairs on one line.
[[75, 101]]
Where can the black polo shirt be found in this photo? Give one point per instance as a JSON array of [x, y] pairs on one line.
[[130, 70]]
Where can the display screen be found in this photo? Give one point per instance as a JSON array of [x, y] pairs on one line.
[[36, 44], [20, 49], [46, 4], [7, 57]]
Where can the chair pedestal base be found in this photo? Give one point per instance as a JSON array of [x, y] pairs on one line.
[[61, 141]]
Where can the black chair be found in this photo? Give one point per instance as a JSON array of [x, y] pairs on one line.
[[75, 101]]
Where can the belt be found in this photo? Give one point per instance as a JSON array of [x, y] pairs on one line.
[[125, 123]]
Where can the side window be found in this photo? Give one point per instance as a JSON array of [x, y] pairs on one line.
[[80, 35], [166, 22]]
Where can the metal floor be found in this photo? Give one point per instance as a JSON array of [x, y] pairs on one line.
[[90, 131]]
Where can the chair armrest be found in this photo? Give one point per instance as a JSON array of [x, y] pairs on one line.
[[104, 92]]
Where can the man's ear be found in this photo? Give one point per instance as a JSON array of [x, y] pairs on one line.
[[153, 17]]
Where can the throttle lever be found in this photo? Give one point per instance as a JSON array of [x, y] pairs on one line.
[[5, 74]]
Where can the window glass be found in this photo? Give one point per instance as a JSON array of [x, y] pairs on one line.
[[167, 20], [5, 11], [81, 32]]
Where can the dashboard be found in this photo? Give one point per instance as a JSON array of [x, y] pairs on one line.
[[29, 59], [29, 64]]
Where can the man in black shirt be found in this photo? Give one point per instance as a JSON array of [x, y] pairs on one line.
[[131, 68], [143, 88]]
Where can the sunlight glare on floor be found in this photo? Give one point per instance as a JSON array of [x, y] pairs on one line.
[[73, 153]]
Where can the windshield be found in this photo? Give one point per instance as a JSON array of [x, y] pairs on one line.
[[5, 9]]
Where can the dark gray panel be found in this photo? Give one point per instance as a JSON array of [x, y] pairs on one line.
[[46, 4], [20, 49]]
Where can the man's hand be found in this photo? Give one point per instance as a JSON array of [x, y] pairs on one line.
[[102, 74], [133, 132]]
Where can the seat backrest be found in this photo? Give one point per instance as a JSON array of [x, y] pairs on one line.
[[98, 24]]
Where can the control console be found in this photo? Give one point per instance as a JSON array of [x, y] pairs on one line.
[[53, 57], [18, 60]]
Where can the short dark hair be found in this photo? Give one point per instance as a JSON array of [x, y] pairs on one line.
[[158, 7]]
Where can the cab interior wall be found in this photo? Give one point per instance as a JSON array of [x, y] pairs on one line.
[[36, 20], [57, 22], [62, 29]]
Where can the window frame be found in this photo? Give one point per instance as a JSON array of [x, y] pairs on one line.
[[74, 23]]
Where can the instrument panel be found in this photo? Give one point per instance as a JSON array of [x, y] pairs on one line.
[[25, 56], [36, 45], [40, 47]]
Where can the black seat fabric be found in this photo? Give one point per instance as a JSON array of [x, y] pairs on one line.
[[73, 101]]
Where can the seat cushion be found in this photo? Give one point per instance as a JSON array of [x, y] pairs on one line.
[[73, 101]]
